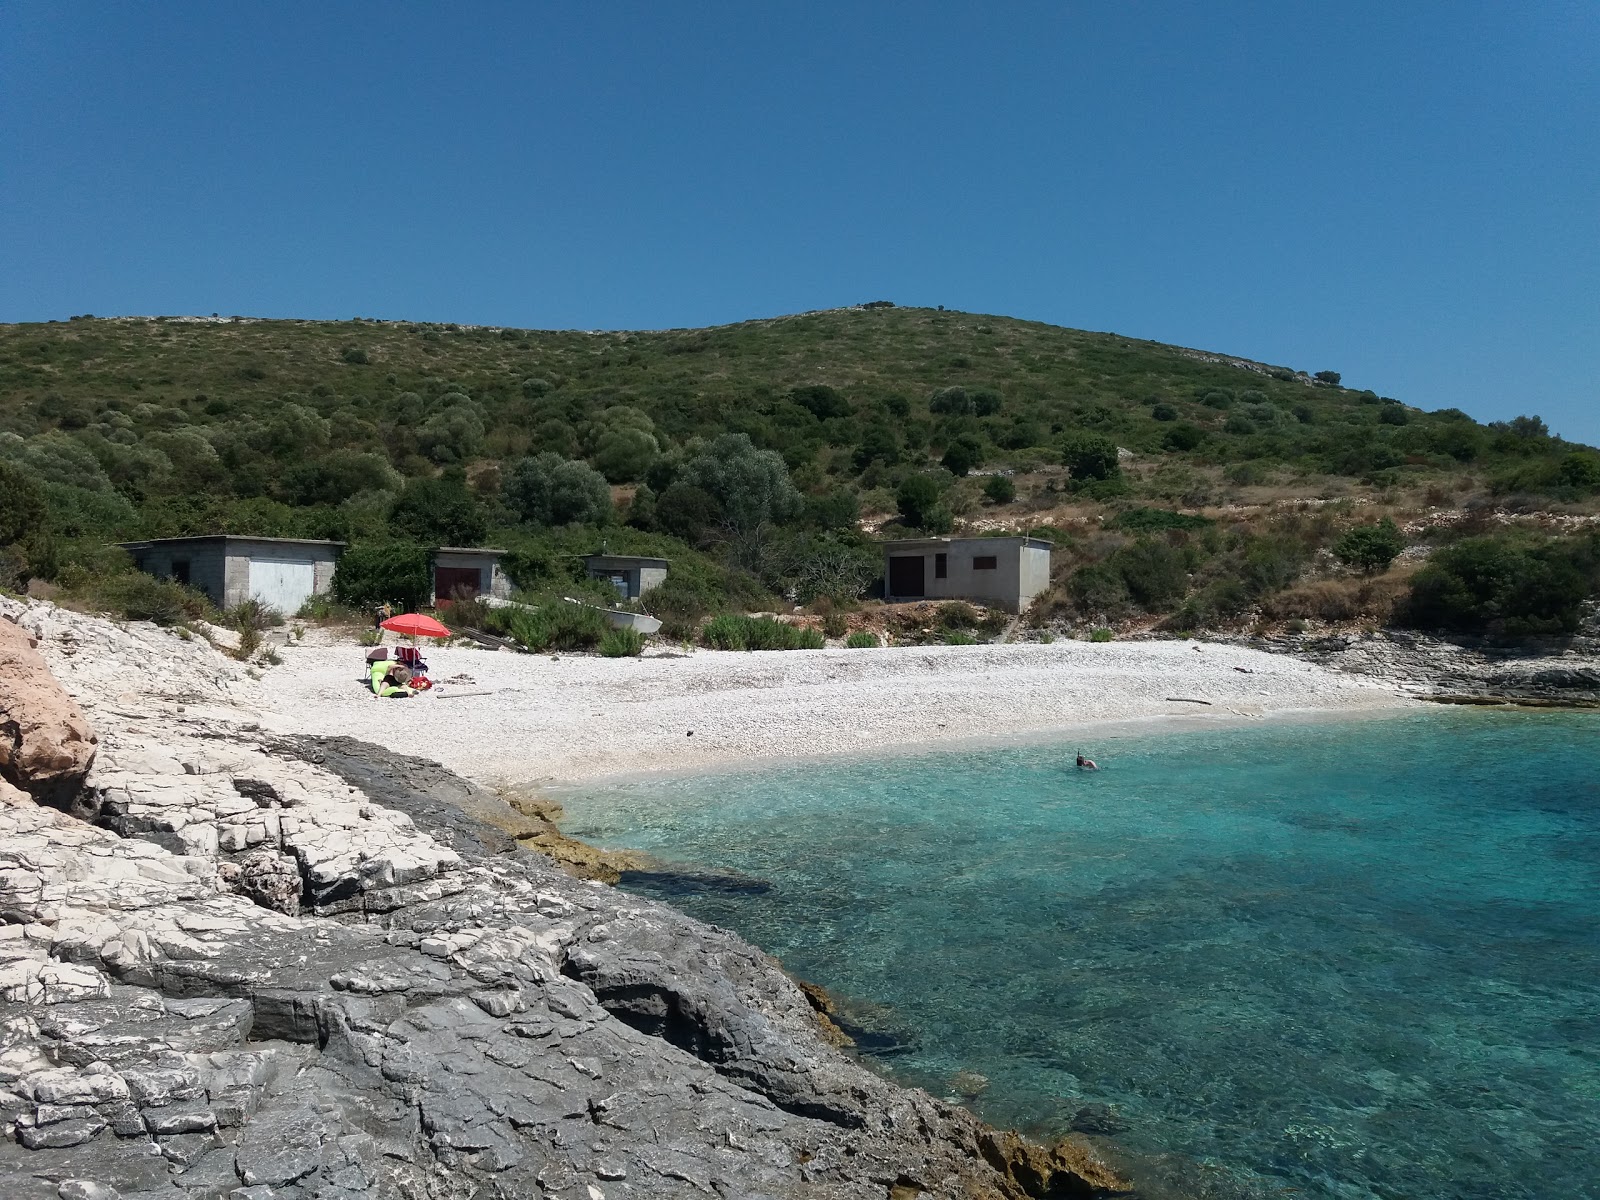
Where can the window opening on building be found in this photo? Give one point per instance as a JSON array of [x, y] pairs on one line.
[[180, 570], [941, 566], [984, 562]]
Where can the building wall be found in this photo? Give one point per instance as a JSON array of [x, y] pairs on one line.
[[637, 576], [220, 566], [492, 580], [1020, 572], [206, 565], [1035, 574], [324, 559]]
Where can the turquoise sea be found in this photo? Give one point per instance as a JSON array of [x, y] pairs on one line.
[[1353, 958]]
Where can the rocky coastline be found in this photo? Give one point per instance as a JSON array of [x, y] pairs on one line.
[[1539, 673], [237, 964]]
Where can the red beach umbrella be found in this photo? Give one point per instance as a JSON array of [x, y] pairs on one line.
[[416, 625]]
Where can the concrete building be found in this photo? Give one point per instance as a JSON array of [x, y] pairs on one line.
[[1002, 572], [631, 575], [466, 571], [282, 573]]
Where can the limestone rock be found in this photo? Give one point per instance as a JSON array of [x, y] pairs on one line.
[[46, 745], [254, 978]]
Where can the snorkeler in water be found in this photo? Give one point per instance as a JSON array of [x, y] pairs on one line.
[[1086, 764]]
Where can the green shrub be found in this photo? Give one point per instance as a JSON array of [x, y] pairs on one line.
[[834, 625], [557, 625], [862, 640], [918, 501], [962, 455], [140, 597], [548, 489], [1184, 437], [1370, 547], [1503, 585], [1098, 588], [1100, 635], [439, 512], [958, 614], [621, 643], [732, 632], [959, 637], [1153, 572], [1152, 520], [999, 489], [1089, 455], [386, 573]]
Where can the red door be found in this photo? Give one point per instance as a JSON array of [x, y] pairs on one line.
[[456, 583]]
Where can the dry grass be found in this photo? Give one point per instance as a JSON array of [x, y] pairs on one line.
[[1343, 599]]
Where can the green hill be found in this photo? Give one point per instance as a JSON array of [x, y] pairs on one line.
[[368, 430]]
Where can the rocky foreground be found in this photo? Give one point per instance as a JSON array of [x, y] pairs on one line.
[[237, 965]]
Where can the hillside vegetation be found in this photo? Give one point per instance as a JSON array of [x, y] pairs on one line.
[[1189, 486]]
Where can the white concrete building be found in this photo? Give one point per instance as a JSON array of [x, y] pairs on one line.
[[1001, 572], [282, 573]]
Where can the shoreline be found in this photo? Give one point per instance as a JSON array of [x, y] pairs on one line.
[[540, 722], [1098, 732]]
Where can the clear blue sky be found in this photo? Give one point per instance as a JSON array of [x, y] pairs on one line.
[[1407, 193]]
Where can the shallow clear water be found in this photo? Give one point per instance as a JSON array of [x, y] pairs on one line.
[[1353, 959]]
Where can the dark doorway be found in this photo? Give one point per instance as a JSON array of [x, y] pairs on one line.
[[456, 582], [905, 575], [180, 570]]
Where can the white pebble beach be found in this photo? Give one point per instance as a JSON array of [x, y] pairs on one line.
[[530, 720]]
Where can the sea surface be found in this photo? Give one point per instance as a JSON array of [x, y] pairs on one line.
[[1352, 958]]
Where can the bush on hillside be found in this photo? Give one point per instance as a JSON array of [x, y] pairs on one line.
[[547, 489], [1371, 547], [1502, 585], [136, 596], [999, 489], [399, 573], [1089, 456], [1153, 520], [439, 512], [24, 508], [1153, 572], [919, 499], [962, 455], [862, 640]]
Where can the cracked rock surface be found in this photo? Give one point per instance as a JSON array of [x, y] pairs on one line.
[[226, 971]]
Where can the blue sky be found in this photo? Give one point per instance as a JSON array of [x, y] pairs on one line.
[[1408, 194]]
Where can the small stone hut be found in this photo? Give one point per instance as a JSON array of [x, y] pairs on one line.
[[282, 573], [1001, 572], [630, 574], [464, 572]]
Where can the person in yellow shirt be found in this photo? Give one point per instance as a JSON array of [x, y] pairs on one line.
[[389, 679]]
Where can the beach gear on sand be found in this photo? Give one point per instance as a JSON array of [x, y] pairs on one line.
[[416, 625]]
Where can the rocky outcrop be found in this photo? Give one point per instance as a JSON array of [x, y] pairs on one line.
[[1562, 673], [238, 974], [46, 746]]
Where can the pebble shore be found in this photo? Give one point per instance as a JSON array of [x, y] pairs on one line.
[[525, 720]]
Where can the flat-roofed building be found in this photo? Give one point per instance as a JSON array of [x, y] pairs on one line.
[[466, 572], [631, 574], [282, 573], [1001, 572]]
